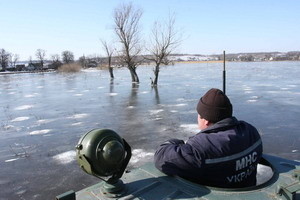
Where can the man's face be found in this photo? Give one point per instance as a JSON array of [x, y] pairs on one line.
[[202, 123]]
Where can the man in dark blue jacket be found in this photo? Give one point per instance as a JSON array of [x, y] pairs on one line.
[[225, 153]]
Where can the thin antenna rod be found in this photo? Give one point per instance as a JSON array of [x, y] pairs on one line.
[[224, 74]]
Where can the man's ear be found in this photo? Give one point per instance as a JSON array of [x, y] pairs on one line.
[[208, 123]]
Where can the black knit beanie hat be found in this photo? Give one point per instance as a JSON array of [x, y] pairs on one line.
[[214, 106]]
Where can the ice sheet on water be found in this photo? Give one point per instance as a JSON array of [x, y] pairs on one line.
[[90, 70], [78, 95], [31, 95], [112, 94], [175, 105], [140, 154], [44, 121], [180, 104], [11, 160], [19, 119], [190, 127], [7, 127], [76, 124], [65, 157], [180, 99], [155, 112], [158, 118], [24, 107], [252, 100], [78, 116], [40, 132], [284, 88]]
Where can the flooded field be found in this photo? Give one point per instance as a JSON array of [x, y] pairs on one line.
[[43, 115]]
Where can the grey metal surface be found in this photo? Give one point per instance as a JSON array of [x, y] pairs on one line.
[[148, 183]]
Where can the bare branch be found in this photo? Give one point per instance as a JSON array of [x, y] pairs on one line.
[[40, 54], [164, 40]]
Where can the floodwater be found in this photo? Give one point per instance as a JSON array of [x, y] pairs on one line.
[[43, 115]]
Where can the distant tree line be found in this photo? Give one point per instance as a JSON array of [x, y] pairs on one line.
[[8, 61], [263, 56]]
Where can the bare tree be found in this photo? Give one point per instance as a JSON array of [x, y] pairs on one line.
[[40, 55], [67, 57], [126, 20], [55, 58], [4, 59], [55, 61], [109, 53], [83, 61], [163, 41], [13, 59]]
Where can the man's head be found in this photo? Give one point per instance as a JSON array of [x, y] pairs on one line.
[[214, 106]]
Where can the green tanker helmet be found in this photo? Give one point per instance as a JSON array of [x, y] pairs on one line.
[[102, 153]]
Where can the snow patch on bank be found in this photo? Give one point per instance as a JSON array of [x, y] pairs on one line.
[[65, 157]]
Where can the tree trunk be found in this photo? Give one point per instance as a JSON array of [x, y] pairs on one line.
[[134, 76], [110, 69], [156, 72]]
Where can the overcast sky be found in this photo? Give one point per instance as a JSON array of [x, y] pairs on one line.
[[209, 26]]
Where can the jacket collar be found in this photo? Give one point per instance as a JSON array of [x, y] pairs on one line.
[[222, 125]]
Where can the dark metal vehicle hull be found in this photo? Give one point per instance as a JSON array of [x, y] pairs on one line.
[[148, 183]]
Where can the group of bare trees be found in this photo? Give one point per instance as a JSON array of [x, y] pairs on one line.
[[163, 41], [7, 58], [10, 59]]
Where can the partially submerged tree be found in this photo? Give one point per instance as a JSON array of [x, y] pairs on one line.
[[4, 59], [163, 41], [40, 55], [67, 57], [109, 50], [126, 20]]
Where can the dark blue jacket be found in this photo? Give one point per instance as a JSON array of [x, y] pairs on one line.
[[223, 155]]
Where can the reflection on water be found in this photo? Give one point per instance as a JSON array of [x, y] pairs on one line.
[[44, 115]]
